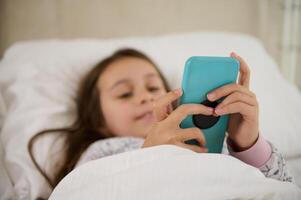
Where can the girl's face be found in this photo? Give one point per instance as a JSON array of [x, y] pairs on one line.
[[127, 89]]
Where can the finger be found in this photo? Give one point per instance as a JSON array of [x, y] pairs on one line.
[[191, 147], [244, 70], [162, 105], [228, 89], [189, 134], [235, 97], [169, 109], [245, 110], [183, 110]]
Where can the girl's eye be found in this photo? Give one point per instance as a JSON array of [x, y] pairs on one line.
[[125, 95], [153, 89], [130, 94]]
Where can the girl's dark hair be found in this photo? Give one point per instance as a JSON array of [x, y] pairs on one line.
[[89, 125]]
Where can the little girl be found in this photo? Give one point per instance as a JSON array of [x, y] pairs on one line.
[[124, 103]]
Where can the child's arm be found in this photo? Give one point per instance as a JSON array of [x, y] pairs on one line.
[[266, 158]]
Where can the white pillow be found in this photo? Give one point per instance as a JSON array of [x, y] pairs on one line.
[[39, 79], [6, 188]]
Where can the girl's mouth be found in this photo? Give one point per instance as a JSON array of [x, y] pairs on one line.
[[147, 116]]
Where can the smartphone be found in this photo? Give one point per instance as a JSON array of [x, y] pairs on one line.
[[202, 75]]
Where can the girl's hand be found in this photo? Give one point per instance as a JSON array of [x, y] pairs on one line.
[[166, 129], [242, 106]]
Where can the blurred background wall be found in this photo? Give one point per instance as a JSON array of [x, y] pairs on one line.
[[275, 22]]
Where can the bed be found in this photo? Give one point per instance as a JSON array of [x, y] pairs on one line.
[[38, 82]]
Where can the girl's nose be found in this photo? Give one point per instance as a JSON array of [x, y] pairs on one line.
[[145, 97]]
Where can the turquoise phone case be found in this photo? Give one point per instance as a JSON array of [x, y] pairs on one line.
[[202, 75]]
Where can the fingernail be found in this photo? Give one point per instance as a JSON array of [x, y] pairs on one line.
[[178, 91], [215, 115], [219, 111], [210, 96]]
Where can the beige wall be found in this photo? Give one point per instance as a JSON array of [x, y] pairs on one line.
[[34, 19], [38, 19]]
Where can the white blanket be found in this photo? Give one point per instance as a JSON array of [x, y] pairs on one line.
[[170, 172]]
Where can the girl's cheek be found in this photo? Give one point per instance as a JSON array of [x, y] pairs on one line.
[[117, 113], [160, 94], [124, 107]]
